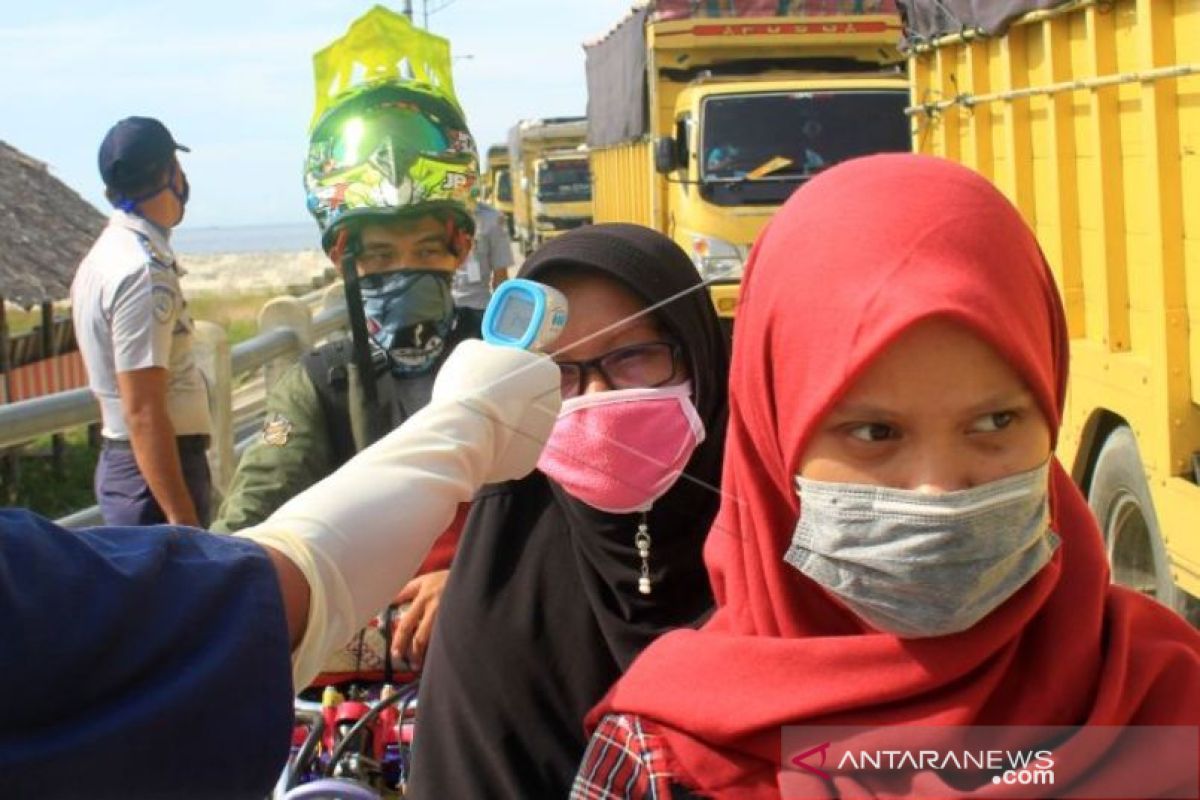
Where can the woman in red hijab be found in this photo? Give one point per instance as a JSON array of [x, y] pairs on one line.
[[897, 544]]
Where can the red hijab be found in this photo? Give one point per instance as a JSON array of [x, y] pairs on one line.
[[852, 260]]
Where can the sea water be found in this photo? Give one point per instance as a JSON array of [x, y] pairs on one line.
[[285, 238]]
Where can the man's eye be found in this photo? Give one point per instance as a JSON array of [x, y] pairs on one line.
[[990, 423], [873, 432], [377, 258]]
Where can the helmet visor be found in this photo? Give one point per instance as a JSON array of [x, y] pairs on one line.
[[399, 128]]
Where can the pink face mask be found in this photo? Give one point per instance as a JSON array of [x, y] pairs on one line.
[[619, 451]]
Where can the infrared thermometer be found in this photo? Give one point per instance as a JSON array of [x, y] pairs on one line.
[[526, 314]]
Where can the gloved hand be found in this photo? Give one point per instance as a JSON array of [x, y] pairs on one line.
[[361, 533], [491, 387]]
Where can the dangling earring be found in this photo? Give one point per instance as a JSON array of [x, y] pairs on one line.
[[642, 542]]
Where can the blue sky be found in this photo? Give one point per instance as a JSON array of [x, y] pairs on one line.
[[233, 81]]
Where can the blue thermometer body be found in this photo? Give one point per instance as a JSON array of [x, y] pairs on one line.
[[526, 314]]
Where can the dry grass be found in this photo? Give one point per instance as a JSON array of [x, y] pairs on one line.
[[21, 320], [237, 315], [30, 477]]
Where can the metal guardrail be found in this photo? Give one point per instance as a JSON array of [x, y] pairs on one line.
[[29, 419], [254, 353], [288, 327]]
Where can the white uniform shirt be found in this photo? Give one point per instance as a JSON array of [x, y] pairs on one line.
[[492, 251], [130, 314]]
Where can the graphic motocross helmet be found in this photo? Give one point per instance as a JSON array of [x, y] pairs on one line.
[[386, 150]]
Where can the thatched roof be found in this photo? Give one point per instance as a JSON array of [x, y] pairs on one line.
[[45, 230]]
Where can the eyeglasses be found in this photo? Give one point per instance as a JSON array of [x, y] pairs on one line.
[[637, 366]]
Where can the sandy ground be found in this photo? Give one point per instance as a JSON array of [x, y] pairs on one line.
[[248, 273], [255, 273]]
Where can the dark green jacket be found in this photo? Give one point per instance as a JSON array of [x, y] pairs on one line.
[[296, 447]]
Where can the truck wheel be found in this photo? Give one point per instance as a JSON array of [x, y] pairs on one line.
[[1120, 499]]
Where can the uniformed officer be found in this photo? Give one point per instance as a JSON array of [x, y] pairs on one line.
[[135, 335], [487, 266], [388, 178]]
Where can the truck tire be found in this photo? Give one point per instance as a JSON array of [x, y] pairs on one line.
[[1120, 498]]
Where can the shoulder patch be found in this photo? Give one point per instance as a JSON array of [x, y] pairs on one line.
[[165, 300], [277, 430]]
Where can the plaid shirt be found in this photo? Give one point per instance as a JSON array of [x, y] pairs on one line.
[[623, 761]]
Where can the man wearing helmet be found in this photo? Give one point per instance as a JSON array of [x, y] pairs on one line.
[[389, 178]]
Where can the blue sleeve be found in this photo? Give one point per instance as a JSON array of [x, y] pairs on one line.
[[139, 662]]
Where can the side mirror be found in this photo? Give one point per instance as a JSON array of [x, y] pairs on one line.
[[664, 155]]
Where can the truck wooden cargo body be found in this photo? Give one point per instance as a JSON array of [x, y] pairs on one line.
[[1087, 115]]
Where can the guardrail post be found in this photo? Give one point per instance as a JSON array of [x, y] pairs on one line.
[[285, 312], [211, 348]]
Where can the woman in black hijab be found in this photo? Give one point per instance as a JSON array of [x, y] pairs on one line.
[[550, 598]]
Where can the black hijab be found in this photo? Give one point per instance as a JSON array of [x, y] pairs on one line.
[[541, 613]]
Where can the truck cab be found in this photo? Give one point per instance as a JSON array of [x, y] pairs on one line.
[[551, 184], [704, 118], [563, 198], [740, 148]]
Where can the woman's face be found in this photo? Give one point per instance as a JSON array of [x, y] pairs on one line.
[[938, 411], [607, 340]]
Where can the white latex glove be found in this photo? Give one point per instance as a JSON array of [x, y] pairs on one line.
[[363, 531]]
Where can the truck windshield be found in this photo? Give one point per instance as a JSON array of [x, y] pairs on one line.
[[503, 186], [564, 181], [758, 148]]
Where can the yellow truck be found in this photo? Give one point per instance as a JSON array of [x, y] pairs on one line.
[[497, 183], [704, 117], [1087, 115], [563, 197], [551, 186]]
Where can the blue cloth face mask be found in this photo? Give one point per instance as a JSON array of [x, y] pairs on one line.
[[409, 312], [130, 204], [916, 564], [183, 194]]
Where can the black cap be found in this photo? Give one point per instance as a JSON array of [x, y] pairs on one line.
[[133, 150]]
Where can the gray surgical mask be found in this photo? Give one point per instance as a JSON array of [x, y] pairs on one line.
[[916, 564]]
